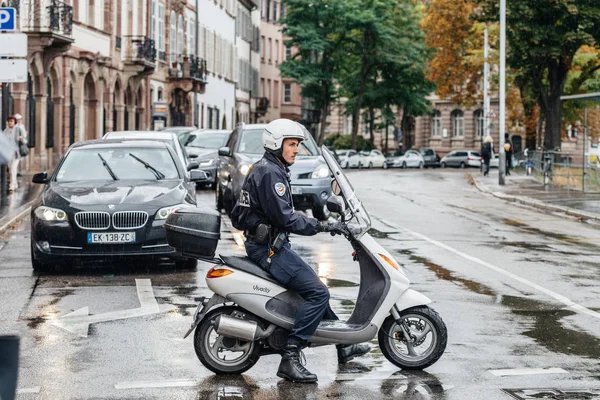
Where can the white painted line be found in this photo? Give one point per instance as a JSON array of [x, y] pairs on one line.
[[35, 389], [156, 384], [566, 301], [146, 294], [527, 371]]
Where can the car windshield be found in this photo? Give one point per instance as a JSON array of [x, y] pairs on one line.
[[251, 143], [208, 140], [360, 222], [85, 164]]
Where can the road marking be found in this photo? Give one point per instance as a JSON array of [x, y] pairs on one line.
[[566, 301], [156, 384], [35, 389], [527, 371], [79, 320]]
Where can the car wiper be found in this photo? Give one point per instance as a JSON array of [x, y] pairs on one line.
[[108, 168], [159, 175]]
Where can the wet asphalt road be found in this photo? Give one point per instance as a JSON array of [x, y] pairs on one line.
[[517, 289]]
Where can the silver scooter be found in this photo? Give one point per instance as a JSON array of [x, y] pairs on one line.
[[251, 313]]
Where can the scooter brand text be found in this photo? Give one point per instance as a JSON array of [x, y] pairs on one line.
[[261, 289]]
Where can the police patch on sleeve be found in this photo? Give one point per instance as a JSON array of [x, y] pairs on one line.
[[280, 189]]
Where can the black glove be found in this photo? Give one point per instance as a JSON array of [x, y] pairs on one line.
[[334, 227]]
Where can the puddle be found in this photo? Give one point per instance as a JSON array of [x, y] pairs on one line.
[[547, 330], [547, 393], [447, 275], [377, 234], [553, 235]]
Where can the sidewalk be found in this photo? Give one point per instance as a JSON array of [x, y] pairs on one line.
[[16, 204], [529, 191]]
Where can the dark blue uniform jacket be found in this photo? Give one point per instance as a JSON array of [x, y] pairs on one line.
[[266, 197]]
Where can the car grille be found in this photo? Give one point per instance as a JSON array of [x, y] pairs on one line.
[[129, 219], [92, 220]]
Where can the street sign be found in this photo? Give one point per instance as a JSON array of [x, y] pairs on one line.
[[8, 19], [13, 70], [13, 45]]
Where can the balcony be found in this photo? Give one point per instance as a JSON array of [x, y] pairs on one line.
[[140, 54], [187, 73], [49, 20]]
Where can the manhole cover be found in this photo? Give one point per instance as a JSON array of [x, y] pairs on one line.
[[554, 394]]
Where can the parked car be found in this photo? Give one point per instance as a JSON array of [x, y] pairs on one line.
[[372, 159], [430, 157], [410, 159], [204, 145], [495, 161], [167, 137], [391, 158], [108, 200], [348, 158], [462, 159], [310, 176]]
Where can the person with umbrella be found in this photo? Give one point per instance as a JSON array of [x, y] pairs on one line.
[[16, 136]]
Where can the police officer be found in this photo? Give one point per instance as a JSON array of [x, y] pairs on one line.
[[266, 201]]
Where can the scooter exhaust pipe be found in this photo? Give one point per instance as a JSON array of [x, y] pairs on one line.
[[241, 328]]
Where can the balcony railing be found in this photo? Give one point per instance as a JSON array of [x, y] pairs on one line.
[[186, 67], [140, 49], [46, 16]]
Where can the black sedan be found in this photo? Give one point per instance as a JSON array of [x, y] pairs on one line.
[[108, 200]]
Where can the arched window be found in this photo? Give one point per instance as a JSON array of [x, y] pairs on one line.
[[436, 123], [173, 37], [479, 123], [458, 123]]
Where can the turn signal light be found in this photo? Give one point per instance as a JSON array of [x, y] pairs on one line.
[[389, 261], [218, 273]]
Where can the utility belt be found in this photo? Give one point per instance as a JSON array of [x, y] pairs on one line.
[[265, 234]]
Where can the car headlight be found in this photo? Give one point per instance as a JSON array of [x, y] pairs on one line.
[[50, 214], [164, 212], [244, 169], [320, 172], [206, 163]]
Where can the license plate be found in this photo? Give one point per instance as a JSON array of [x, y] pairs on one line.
[[296, 190], [111, 237]]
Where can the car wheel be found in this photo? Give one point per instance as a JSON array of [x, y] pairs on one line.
[[421, 165], [404, 164], [359, 166], [190, 263], [443, 165], [462, 165], [370, 165], [321, 213], [345, 166], [385, 166]]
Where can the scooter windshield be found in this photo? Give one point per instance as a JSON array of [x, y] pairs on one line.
[[359, 221]]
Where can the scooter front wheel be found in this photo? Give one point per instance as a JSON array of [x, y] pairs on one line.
[[223, 355], [417, 342]]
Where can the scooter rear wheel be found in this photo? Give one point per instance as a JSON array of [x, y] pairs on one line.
[[220, 354], [427, 342]]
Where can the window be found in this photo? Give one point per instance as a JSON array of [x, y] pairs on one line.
[[173, 36], [262, 49], [268, 96], [458, 123], [210, 46], [436, 124], [268, 10], [479, 123], [287, 93], [180, 36], [153, 20], [270, 50], [262, 9], [274, 11], [201, 42], [262, 88], [281, 11], [276, 94], [191, 37], [276, 51], [161, 27], [288, 52]]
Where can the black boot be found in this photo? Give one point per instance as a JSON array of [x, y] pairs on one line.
[[349, 351], [292, 369]]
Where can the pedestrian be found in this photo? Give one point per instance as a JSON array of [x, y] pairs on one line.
[[487, 153], [19, 118], [508, 150], [265, 205], [16, 136]]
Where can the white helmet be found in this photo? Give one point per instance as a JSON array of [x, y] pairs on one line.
[[277, 131]]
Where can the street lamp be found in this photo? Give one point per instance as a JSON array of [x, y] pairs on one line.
[[502, 161]]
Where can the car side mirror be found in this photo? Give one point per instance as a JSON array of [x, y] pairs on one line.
[[225, 151], [198, 175], [335, 204], [192, 165], [41, 177]]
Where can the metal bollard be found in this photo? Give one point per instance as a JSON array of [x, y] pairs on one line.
[[9, 366]]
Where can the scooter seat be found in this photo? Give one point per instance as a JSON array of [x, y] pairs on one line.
[[247, 265]]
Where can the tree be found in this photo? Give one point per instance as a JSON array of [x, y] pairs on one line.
[[317, 29], [543, 37]]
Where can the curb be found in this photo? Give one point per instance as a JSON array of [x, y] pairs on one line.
[[528, 201], [8, 221]]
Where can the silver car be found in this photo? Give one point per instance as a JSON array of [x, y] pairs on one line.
[[461, 159]]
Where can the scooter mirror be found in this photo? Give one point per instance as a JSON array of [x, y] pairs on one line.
[[335, 188], [335, 204]]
